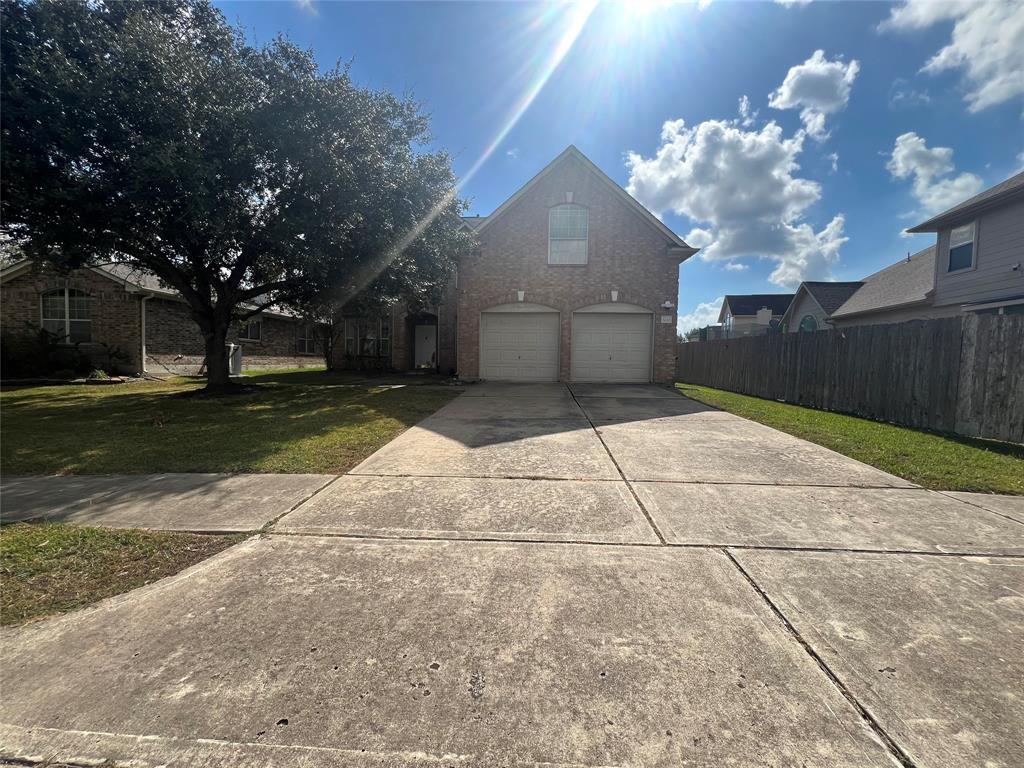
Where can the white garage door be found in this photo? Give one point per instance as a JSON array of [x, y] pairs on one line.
[[519, 346], [611, 347]]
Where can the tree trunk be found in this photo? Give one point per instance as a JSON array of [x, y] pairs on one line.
[[217, 374]]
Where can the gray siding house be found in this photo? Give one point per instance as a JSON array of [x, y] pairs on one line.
[[979, 251]]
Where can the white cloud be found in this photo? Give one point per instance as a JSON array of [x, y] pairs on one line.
[[307, 6], [513, 153], [739, 186], [934, 186], [791, 3], [985, 45], [735, 266], [747, 116], [833, 158], [704, 314], [903, 96], [818, 87]]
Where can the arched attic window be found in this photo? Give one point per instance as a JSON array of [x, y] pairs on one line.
[[808, 323], [568, 227]]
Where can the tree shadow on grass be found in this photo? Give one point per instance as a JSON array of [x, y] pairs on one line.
[[273, 428]]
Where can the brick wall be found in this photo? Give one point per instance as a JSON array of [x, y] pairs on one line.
[[113, 311], [174, 343], [624, 253]]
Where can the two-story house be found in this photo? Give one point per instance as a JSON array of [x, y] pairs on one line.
[[979, 245], [753, 314], [572, 280]]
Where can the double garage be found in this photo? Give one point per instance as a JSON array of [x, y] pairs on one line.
[[609, 342]]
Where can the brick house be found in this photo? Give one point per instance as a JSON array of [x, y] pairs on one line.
[[117, 308], [573, 280]]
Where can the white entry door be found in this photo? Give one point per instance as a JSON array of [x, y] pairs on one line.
[[519, 346], [613, 347], [426, 346]]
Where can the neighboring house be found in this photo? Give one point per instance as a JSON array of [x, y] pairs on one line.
[[752, 314], [814, 303], [120, 309], [976, 265], [980, 250], [901, 292], [572, 280]]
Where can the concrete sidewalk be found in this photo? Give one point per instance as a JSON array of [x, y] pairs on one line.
[[545, 575]]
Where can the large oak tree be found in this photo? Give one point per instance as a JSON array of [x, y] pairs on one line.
[[244, 177]]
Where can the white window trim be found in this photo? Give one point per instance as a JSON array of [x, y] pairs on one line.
[[66, 293], [586, 240], [258, 322], [307, 339], [974, 249]]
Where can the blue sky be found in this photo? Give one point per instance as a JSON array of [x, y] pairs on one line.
[[835, 155]]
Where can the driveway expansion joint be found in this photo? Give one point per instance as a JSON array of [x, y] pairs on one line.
[[271, 523], [890, 743], [978, 506], [632, 490]]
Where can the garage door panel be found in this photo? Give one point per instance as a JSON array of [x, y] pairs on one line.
[[612, 347], [519, 346]]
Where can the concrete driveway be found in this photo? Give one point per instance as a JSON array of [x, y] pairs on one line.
[[572, 576]]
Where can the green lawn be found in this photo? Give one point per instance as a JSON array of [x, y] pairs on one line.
[[288, 422], [49, 568], [940, 462]]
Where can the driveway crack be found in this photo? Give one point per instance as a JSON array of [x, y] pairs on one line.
[[629, 485], [890, 743]]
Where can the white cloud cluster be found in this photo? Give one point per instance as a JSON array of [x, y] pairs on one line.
[[818, 87], [985, 44], [703, 314], [740, 186], [934, 185]]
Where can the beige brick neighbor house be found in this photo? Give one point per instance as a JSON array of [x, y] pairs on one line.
[[573, 280]]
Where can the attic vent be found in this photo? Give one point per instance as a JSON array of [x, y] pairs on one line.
[[568, 197]]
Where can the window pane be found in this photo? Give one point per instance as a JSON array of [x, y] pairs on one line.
[[385, 348], [961, 257], [78, 305], [568, 252], [350, 346], [81, 330], [53, 307], [385, 327], [808, 323], [961, 235], [56, 327], [568, 222]]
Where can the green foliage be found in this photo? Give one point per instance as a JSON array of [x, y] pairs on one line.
[[36, 353], [939, 462], [244, 177]]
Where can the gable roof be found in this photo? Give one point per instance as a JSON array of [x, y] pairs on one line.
[[749, 304], [909, 281], [134, 280], [571, 152], [831, 296], [1000, 194]]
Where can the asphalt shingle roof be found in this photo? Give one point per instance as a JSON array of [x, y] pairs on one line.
[[831, 296], [904, 282], [749, 304], [1009, 188]]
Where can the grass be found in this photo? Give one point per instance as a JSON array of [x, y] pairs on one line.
[[49, 568], [936, 461], [284, 422]]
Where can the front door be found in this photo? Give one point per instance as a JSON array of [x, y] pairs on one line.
[[426, 346]]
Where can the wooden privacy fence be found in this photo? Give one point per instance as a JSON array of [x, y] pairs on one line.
[[959, 374]]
